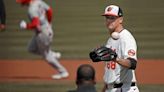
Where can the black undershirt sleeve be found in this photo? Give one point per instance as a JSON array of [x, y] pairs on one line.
[[133, 63]]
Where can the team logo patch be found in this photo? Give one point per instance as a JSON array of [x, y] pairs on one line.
[[131, 52]]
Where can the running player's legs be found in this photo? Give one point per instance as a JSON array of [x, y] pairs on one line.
[[33, 47], [54, 61], [44, 42]]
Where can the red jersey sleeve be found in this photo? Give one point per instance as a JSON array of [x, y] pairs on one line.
[[34, 23], [49, 14]]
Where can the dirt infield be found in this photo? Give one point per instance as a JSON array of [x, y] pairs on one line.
[[148, 71]]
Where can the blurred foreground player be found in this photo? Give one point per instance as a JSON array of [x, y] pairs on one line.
[[40, 15], [85, 79]]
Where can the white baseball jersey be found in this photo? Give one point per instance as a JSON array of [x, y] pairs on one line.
[[125, 47]]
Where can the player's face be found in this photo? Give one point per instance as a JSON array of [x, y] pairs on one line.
[[112, 22]]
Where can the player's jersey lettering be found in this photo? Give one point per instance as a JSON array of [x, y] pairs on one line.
[[111, 65]]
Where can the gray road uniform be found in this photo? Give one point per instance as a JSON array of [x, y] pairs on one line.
[[40, 42]]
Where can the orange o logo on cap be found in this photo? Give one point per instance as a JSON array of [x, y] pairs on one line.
[[131, 52], [109, 9]]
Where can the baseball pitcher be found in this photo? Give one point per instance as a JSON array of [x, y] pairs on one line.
[[119, 54], [40, 15]]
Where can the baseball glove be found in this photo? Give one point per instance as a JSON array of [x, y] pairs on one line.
[[102, 54]]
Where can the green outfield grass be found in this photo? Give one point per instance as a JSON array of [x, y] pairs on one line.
[[79, 27], [61, 86]]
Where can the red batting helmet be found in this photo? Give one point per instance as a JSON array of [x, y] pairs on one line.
[[23, 1]]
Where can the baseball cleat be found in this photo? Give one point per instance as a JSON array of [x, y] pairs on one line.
[[60, 75]]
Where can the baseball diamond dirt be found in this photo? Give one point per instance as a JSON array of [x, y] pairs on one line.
[[148, 71]]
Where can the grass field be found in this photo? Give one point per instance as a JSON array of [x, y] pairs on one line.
[[61, 86]]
